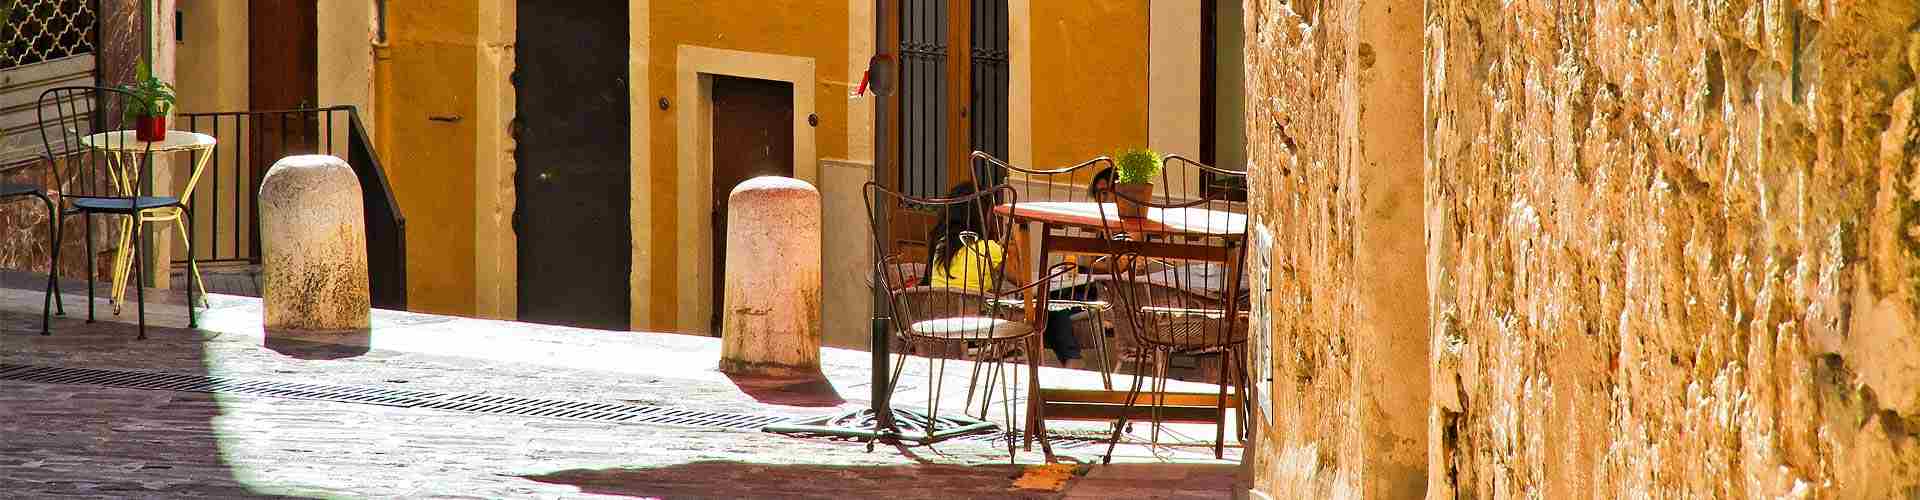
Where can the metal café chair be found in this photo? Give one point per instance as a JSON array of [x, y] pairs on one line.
[[943, 314], [11, 192], [1074, 291], [1178, 287], [83, 137]]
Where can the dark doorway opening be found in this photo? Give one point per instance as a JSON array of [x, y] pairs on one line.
[[752, 136], [283, 67], [571, 186]]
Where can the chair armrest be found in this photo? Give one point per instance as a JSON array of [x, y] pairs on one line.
[[1054, 272]]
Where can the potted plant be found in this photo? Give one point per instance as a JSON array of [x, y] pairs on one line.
[[1134, 172], [152, 100]]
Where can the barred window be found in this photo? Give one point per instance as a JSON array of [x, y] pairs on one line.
[[45, 30]]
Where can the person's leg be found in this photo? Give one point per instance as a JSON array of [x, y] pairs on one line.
[[1060, 338]]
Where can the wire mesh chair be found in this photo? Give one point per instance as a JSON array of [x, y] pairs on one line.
[[1072, 295], [85, 138], [1178, 285], [954, 307]]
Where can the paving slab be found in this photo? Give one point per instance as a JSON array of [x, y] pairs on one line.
[[69, 440]]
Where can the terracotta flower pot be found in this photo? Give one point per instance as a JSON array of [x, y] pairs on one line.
[[150, 128], [1129, 193]]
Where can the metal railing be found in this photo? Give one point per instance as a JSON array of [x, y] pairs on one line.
[[226, 226]]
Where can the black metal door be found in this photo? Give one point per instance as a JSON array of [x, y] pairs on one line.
[[571, 184]]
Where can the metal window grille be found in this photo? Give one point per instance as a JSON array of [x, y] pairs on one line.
[[989, 99], [45, 30], [923, 104]]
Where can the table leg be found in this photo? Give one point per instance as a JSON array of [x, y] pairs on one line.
[[1036, 347]]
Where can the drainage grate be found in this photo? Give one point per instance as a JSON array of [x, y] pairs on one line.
[[217, 385], [473, 403], [603, 412]]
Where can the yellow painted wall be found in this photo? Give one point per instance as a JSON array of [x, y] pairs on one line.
[[803, 28], [427, 94], [1089, 78], [344, 68]]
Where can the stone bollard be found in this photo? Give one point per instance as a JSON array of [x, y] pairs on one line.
[[314, 243], [771, 322]]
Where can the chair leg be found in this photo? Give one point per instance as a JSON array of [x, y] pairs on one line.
[[996, 372], [121, 267], [1039, 406], [1120, 425], [186, 240], [1006, 403], [973, 380], [1160, 393], [59, 301], [53, 265], [91, 260], [1244, 387], [140, 273], [933, 393], [193, 269], [1100, 336], [1220, 428]]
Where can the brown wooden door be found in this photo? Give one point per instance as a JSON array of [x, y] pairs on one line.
[[282, 70], [752, 136], [571, 187], [283, 61]]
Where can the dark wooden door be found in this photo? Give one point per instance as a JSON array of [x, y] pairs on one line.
[[282, 55], [571, 186], [752, 136], [283, 61], [282, 73]]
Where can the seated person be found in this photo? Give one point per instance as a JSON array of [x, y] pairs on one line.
[[1059, 335], [964, 256]]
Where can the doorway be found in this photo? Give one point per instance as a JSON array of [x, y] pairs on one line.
[[282, 74], [571, 216], [752, 137]]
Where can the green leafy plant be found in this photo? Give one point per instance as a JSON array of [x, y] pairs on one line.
[[151, 97], [1136, 166]]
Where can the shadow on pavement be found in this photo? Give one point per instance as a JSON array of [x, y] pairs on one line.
[[813, 392], [94, 441], [725, 479], [320, 346]]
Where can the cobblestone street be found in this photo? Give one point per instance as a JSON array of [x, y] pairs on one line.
[[89, 440]]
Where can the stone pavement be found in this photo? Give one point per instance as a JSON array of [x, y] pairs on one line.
[[60, 440]]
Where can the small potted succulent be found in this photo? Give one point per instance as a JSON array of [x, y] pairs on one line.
[[152, 100], [1134, 173]]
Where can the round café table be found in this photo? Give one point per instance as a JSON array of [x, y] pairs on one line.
[[121, 164]]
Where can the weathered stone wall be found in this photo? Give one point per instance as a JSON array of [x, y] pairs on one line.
[[1334, 149], [1674, 247], [24, 232]]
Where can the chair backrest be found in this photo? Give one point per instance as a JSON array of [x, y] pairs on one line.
[[1069, 184], [1179, 272], [1183, 179], [89, 144], [973, 256]]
